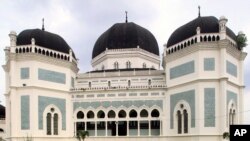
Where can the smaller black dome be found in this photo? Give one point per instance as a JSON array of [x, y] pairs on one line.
[[43, 39], [2, 111], [207, 24], [126, 35]]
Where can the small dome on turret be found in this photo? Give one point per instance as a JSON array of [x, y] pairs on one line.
[[44, 39], [207, 24]]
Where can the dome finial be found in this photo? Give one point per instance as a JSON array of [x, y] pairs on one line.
[[199, 8], [126, 12], [43, 24]]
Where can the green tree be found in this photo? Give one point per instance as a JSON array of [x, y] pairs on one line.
[[226, 135], [81, 135], [241, 40]]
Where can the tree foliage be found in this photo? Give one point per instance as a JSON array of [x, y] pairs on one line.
[[81, 135], [226, 135], [241, 40]]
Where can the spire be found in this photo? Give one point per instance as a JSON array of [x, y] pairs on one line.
[[43, 24], [199, 8], [126, 16]]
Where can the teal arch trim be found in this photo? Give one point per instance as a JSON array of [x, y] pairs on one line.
[[116, 104], [189, 97], [44, 101]]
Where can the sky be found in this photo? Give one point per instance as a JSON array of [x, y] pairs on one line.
[[81, 22]]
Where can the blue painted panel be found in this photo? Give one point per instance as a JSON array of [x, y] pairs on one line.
[[117, 104], [182, 70], [231, 69], [209, 64], [25, 112], [51, 76], [209, 107], [231, 96], [44, 101], [189, 97], [25, 73]]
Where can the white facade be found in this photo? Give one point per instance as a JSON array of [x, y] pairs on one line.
[[195, 97]]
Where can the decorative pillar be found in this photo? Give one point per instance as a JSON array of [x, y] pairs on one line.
[[116, 128], [222, 27], [13, 37], [149, 128], [127, 128], [33, 43], [106, 128], [198, 31], [70, 55], [95, 128]]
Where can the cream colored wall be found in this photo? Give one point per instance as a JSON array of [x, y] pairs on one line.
[[186, 78], [16, 130], [136, 56], [119, 81], [34, 81]]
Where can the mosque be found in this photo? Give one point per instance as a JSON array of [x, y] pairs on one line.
[[193, 93]]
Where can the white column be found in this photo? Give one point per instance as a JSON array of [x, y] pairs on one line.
[[7, 118], [160, 127], [127, 128], [75, 129], [149, 128], [116, 127], [139, 128], [52, 124], [95, 128], [106, 128], [223, 103]]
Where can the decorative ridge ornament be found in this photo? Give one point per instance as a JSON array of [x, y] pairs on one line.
[[126, 12], [43, 24], [199, 11]]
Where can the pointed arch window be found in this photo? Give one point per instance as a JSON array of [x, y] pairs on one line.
[[129, 83], [185, 115], [109, 84], [149, 82], [232, 114], [116, 65], [90, 84], [179, 120], [182, 117], [55, 124], [128, 64], [52, 122], [48, 123]]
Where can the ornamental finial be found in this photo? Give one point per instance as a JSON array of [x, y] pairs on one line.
[[126, 12], [199, 8], [43, 24]]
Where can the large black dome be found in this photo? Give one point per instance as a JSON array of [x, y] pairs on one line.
[[126, 35], [207, 24], [43, 39]]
